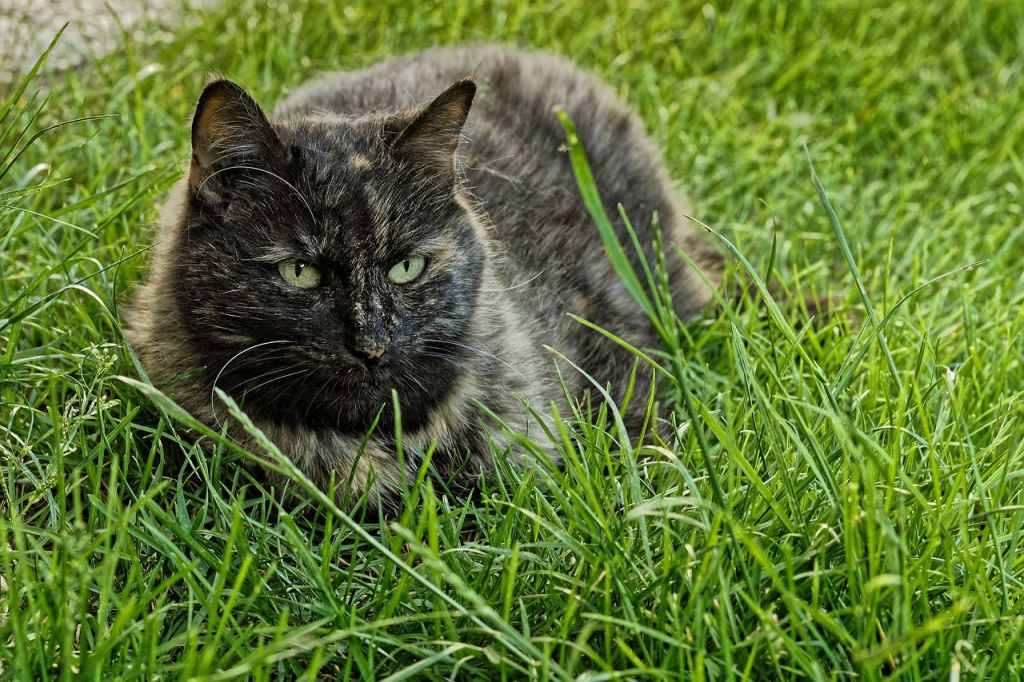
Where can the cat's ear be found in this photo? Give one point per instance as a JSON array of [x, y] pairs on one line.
[[433, 135], [229, 132]]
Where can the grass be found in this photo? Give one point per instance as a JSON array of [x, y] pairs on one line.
[[843, 501]]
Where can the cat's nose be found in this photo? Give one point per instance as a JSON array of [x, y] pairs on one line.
[[369, 351]]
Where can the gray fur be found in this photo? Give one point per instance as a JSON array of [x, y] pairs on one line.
[[353, 171]]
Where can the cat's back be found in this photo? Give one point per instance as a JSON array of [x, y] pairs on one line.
[[514, 143], [518, 87], [514, 153]]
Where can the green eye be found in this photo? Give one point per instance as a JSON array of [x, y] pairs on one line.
[[405, 271], [299, 273]]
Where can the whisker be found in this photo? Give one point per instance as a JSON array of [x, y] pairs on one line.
[[213, 388], [479, 351], [278, 378], [514, 286], [268, 172], [334, 380], [264, 375]]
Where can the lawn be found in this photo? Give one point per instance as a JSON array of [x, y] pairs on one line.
[[842, 500]]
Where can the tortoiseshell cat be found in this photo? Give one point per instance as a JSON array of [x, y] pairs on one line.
[[361, 241]]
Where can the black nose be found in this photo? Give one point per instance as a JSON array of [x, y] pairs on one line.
[[369, 353]]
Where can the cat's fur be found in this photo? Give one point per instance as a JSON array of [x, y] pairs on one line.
[[355, 173]]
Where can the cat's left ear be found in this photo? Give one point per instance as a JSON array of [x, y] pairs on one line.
[[229, 134], [433, 135]]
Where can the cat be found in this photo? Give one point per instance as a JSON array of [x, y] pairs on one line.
[[414, 226]]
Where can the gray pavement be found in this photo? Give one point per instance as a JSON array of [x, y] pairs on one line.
[[95, 28]]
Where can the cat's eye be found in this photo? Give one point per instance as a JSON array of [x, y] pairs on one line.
[[408, 269], [299, 273]]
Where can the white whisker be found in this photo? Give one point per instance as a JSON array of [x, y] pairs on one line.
[[213, 388], [514, 286]]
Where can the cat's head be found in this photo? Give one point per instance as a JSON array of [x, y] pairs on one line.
[[325, 260]]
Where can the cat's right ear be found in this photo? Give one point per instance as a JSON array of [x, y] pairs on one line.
[[433, 135], [230, 133]]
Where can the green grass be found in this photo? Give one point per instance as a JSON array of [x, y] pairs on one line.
[[842, 502]]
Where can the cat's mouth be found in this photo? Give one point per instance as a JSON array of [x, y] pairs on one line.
[[339, 391], [354, 380], [350, 368]]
